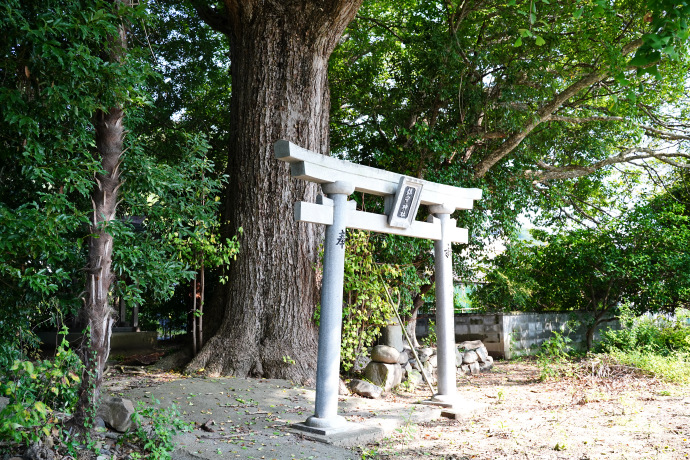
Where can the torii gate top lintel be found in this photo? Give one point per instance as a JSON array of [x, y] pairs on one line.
[[314, 167]]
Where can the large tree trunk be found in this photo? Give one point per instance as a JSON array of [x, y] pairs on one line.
[[279, 63]]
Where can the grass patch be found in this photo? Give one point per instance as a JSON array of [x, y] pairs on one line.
[[674, 368]]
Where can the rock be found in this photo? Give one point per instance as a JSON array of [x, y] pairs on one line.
[[430, 371], [482, 354], [398, 377], [433, 361], [470, 345], [342, 388], [425, 353], [366, 389], [415, 378], [37, 451], [474, 368], [407, 369], [392, 336], [470, 357], [458, 358], [98, 422], [465, 369], [361, 362], [487, 365], [385, 354], [404, 358], [117, 413], [384, 375]]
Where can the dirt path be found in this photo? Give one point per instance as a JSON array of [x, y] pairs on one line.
[[579, 417], [582, 417]]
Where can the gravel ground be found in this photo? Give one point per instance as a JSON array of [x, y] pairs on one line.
[[622, 416]]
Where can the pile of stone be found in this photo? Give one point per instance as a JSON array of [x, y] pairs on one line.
[[384, 371], [471, 357], [388, 367]]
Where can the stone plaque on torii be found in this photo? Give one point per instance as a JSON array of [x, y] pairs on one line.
[[403, 195]]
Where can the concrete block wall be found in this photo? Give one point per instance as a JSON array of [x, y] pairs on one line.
[[508, 335], [119, 341]]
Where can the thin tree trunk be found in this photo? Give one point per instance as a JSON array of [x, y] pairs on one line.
[[97, 315], [279, 71], [201, 304], [194, 342], [417, 303]]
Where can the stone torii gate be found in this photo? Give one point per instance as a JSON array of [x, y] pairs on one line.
[[403, 195]]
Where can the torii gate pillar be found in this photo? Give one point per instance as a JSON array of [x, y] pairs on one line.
[[445, 324], [326, 416]]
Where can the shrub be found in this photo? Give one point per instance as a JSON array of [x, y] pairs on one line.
[[36, 390], [674, 368], [660, 336], [155, 428], [553, 355], [366, 307]]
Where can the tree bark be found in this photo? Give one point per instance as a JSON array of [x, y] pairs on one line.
[[279, 64], [417, 303], [202, 289], [194, 317], [97, 314]]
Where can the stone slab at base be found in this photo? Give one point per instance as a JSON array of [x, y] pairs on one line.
[[348, 435], [458, 408], [431, 402]]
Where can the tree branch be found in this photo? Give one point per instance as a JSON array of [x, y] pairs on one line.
[[215, 19], [666, 134], [625, 156], [382, 25], [582, 119], [544, 113], [649, 130]]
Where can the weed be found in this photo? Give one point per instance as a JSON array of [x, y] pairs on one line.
[[553, 355], [560, 446], [430, 339], [155, 428], [674, 368], [37, 389]]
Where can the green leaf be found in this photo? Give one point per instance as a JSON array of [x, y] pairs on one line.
[[539, 41]]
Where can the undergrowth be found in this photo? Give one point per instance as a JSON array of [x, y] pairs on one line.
[[674, 368], [42, 395], [553, 358], [658, 346], [154, 428]]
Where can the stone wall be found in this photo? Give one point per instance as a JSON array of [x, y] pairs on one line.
[[508, 335]]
